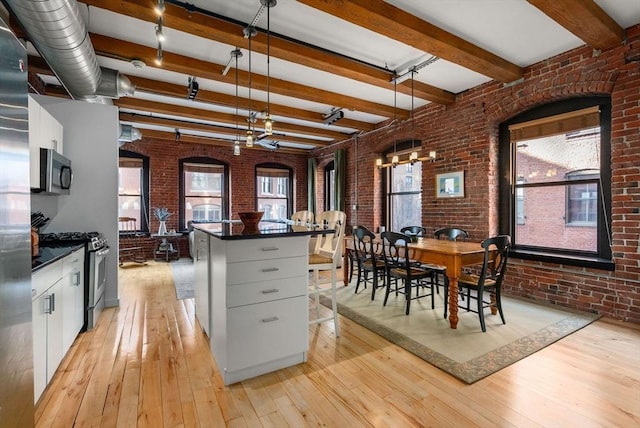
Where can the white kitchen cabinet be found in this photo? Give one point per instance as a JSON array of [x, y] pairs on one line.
[[73, 280], [44, 132], [58, 314], [259, 316], [201, 269]]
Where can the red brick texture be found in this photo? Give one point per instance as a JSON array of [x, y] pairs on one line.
[[465, 137]]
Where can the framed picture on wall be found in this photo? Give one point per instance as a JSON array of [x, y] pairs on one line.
[[450, 185]]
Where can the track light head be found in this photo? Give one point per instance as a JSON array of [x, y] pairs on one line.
[[192, 88], [334, 116]]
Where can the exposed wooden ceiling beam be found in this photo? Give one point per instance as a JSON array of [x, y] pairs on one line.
[[174, 90], [205, 127], [213, 116], [126, 51], [230, 33], [585, 19], [386, 19], [184, 138]]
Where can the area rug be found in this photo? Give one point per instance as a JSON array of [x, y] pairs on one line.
[[466, 352], [183, 278]]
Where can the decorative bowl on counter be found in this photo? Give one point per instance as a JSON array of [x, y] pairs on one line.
[[250, 219]]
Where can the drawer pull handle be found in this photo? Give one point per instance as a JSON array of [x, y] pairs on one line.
[[270, 319], [273, 269], [76, 280], [273, 290], [270, 248]]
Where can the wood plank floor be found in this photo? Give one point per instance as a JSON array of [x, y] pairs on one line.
[[147, 364]]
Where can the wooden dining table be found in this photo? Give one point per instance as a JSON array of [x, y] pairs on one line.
[[453, 255]]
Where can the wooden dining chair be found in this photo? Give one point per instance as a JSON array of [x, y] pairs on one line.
[[369, 260], [451, 234], [302, 218], [494, 266], [325, 257], [130, 242], [403, 271]]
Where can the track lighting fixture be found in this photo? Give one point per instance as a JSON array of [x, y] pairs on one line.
[[159, 33], [192, 88], [159, 54], [334, 116], [178, 135]]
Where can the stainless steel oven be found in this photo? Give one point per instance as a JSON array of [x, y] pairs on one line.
[[98, 252]]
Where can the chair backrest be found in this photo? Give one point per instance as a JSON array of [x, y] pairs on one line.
[[395, 249], [451, 234], [301, 218], [330, 244], [127, 225], [417, 231], [363, 243], [494, 265]]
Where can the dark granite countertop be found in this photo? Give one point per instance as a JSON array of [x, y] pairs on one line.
[[235, 230], [51, 253]]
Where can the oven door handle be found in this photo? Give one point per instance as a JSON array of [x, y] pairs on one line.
[[103, 252]]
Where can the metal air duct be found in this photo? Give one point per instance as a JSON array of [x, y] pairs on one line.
[[57, 30], [128, 134]]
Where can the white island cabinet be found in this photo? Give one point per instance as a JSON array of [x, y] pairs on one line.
[[258, 305]]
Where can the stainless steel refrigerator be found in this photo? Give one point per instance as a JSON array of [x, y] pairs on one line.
[[16, 347]]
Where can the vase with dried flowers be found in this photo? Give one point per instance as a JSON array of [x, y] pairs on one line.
[[162, 214]]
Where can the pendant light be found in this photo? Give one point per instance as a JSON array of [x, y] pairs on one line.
[[413, 157], [250, 31], [236, 145], [268, 122]]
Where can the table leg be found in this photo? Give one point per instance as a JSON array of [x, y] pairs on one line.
[[453, 302]]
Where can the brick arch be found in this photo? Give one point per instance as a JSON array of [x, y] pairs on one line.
[[532, 93]]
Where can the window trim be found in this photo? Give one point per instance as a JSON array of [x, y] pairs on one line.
[[181, 191], [602, 259], [144, 186], [289, 197]]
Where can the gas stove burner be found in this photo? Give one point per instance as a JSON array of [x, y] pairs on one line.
[[62, 237]]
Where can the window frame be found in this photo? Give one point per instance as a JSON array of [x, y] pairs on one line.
[[600, 259], [403, 149], [144, 187], [275, 195], [182, 193], [329, 186]]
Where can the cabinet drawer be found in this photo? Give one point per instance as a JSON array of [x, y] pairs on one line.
[[266, 270], [45, 277], [73, 262], [265, 291], [267, 331], [270, 248]]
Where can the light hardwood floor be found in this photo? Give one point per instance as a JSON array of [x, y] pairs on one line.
[[147, 364]]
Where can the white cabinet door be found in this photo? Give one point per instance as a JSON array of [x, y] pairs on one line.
[[201, 266], [55, 348], [73, 296], [39, 345]]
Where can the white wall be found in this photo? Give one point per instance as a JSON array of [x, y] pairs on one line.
[[91, 142]]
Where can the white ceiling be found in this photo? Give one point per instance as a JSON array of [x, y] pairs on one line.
[[514, 30]]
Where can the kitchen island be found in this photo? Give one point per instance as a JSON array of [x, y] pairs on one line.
[[251, 295]]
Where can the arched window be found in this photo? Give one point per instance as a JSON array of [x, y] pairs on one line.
[[133, 188], [555, 198], [274, 190], [403, 188], [204, 190]]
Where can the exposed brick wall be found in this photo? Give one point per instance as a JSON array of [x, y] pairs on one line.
[[465, 136], [164, 161]]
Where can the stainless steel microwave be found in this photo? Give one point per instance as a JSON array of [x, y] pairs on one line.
[[56, 174]]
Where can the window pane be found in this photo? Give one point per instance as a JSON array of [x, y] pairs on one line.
[[203, 208], [273, 187], [545, 224], [552, 158], [129, 206], [406, 210], [406, 178], [130, 181], [583, 204], [203, 183]]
